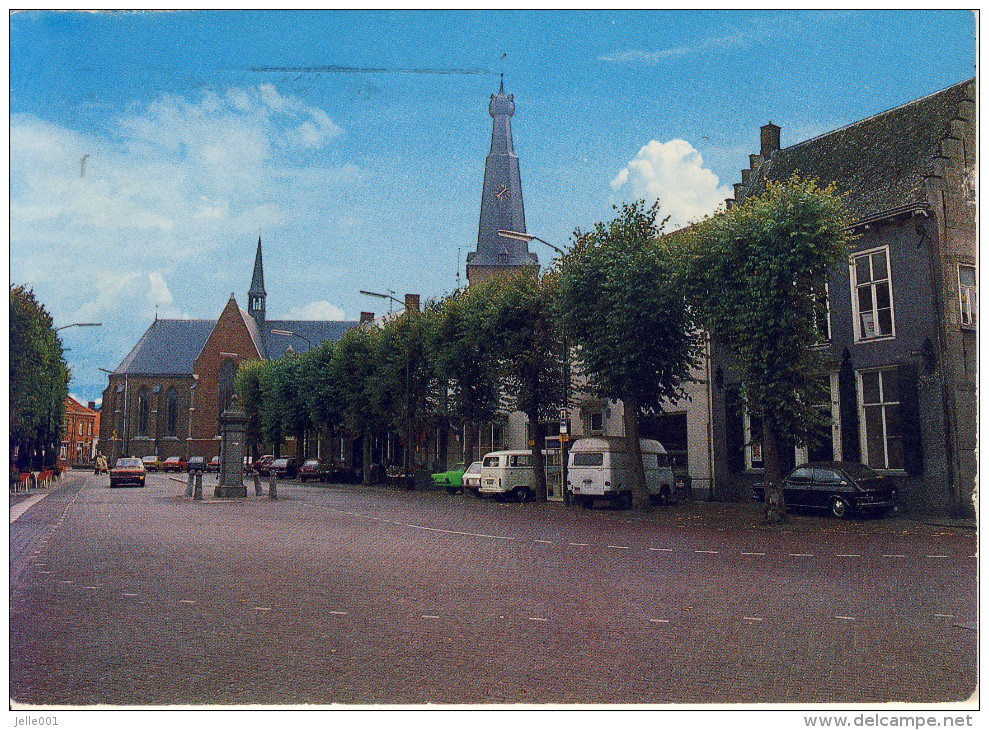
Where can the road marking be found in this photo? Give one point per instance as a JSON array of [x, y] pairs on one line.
[[185, 600], [660, 620], [801, 555], [935, 556], [455, 532], [753, 553], [662, 550], [21, 507], [848, 555], [894, 555], [619, 547], [750, 618], [544, 542], [709, 552], [67, 582], [91, 588], [944, 615], [846, 618], [578, 544], [45, 572], [261, 608], [534, 618], [131, 595], [338, 613], [427, 615]]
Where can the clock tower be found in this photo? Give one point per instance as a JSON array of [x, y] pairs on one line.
[[501, 201]]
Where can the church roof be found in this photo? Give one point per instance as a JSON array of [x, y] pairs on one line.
[[881, 161], [257, 280], [171, 346]]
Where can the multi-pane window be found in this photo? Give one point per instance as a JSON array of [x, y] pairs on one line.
[[879, 404], [967, 292], [872, 295], [822, 315], [143, 412], [171, 412]]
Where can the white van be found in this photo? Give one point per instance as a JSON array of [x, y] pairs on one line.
[[508, 472], [601, 467]]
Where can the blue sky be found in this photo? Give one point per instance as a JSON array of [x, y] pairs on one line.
[[149, 149]]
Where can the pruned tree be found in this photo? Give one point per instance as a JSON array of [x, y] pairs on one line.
[[354, 369], [247, 382], [759, 271], [622, 305]]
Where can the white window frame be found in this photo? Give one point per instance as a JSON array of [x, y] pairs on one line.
[[590, 422], [750, 447], [800, 454], [853, 285], [826, 339], [863, 435], [972, 312]]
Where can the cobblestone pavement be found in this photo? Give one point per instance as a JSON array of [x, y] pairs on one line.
[[368, 595]]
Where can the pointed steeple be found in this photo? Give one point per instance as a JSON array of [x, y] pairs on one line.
[[256, 295], [501, 199]]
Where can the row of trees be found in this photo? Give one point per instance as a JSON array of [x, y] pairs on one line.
[[626, 306], [39, 383]]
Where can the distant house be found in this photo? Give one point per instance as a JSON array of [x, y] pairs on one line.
[[900, 327], [166, 396], [80, 432]]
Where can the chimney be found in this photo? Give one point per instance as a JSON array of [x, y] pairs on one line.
[[92, 405], [367, 317], [770, 139], [411, 302]]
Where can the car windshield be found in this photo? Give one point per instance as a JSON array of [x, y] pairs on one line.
[[474, 468], [491, 460], [128, 463], [311, 462], [172, 459], [588, 459], [279, 462], [860, 471], [150, 458]]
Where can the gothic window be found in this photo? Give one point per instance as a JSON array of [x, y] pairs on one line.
[[143, 412], [171, 413], [872, 295], [227, 372]]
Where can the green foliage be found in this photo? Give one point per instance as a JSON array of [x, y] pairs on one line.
[[622, 304], [758, 271], [247, 382], [321, 390], [353, 368], [39, 380]]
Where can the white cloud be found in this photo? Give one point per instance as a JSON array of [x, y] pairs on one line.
[[672, 172], [322, 310]]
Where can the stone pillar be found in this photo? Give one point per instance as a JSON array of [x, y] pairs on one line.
[[198, 491], [233, 425], [272, 487], [257, 485]]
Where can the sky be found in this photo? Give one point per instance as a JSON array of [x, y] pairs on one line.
[[149, 150]]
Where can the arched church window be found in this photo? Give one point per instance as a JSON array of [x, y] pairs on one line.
[[143, 412], [171, 412]]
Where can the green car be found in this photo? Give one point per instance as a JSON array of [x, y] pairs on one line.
[[452, 479]]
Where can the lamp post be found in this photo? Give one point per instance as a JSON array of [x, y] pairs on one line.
[[291, 333], [408, 396], [565, 421], [79, 324]]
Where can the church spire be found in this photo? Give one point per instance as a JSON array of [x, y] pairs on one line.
[[501, 199], [256, 295]]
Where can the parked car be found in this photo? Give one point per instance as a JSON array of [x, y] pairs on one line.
[[508, 473], [472, 477], [284, 468], [151, 463], [196, 463], [314, 469], [173, 463], [214, 465], [128, 470], [452, 479], [601, 467], [841, 487], [263, 465]]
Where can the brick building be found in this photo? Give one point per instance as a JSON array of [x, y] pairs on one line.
[[80, 430], [166, 397], [900, 325]]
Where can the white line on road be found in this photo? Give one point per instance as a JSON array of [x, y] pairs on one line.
[[185, 600], [894, 555], [750, 618], [45, 572], [544, 542], [67, 582], [660, 620], [619, 547], [534, 618], [455, 532], [338, 613], [662, 550], [848, 555], [753, 553], [944, 615], [846, 618], [261, 608], [91, 588], [709, 552], [21, 507], [935, 556], [131, 595], [801, 555], [578, 544], [429, 615]]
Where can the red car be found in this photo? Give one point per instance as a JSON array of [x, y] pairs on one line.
[[314, 469], [127, 471], [173, 463], [263, 465]]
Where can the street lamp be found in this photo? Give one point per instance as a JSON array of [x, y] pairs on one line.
[[290, 333], [408, 396], [79, 324], [528, 237]]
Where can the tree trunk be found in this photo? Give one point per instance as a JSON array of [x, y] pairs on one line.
[[470, 442], [444, 443], [538, 431], [630, 416], [774, 510], [366, 447]]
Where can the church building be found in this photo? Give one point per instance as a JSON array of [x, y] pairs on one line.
[[166, 397]]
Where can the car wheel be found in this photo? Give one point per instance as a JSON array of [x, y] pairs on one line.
[[839, 507], [522, 494], [585, 502], [664, 495], [451, 490]]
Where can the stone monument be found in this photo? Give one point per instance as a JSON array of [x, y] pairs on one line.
[[233, 425]]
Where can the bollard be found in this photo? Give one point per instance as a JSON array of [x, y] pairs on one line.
[[257, 486], [272, 487], [198, 494], [188, 487]]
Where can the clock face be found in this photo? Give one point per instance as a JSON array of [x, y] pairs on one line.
[[503, 193]]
